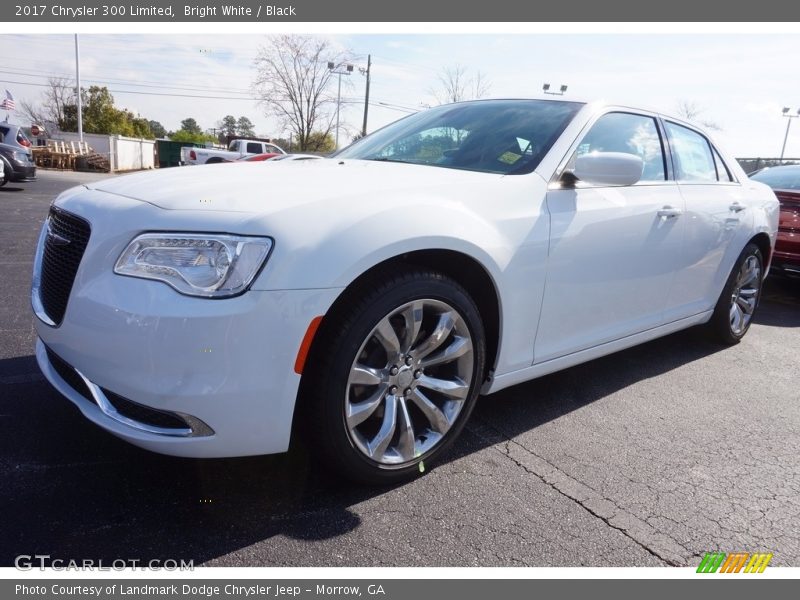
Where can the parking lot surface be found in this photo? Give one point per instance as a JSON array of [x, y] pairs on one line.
[[648, 457]]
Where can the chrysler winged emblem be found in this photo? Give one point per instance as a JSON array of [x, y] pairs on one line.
[[56, 239]]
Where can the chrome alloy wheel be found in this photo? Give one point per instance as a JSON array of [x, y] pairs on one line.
[[744, 296], [409, 382]]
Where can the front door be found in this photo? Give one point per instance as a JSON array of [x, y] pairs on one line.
[[613, 250]]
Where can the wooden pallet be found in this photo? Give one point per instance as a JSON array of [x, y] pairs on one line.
[[59, 154]]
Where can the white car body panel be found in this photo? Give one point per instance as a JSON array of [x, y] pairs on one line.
[[611, 265], [578, 274]]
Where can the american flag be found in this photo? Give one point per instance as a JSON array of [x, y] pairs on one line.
[[8, 102]]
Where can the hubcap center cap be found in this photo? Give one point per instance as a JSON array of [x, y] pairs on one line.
[[405, 377]]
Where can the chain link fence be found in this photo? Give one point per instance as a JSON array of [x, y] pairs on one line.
[[751, 165]]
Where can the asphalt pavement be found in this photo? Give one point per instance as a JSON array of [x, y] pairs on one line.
[[648, 457]]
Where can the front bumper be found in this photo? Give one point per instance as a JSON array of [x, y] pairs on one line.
[[225, 367], [225, 364]]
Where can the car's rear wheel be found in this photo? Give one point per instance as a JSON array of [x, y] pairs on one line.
[[738, 302], [398, 376]]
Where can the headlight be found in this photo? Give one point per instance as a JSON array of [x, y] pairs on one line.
[[214, 266]]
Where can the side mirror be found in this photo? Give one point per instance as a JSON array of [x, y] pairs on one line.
[[609, 168]]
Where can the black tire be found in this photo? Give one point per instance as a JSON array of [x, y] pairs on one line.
[[720, 327], [6, 175], [344, 337]]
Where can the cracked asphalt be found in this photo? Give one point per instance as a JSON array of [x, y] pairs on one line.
[[648, 457]]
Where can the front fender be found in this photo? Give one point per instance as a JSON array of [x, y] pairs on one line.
[[507, 236]]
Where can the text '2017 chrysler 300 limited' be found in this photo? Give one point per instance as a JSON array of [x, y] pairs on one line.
[[369, 298]]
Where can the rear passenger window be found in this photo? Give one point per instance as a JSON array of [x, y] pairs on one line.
[[254, 148], [631, 134], [692, 154], [723, 173]]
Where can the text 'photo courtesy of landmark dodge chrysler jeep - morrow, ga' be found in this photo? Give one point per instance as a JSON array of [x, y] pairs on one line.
[[366, 300]]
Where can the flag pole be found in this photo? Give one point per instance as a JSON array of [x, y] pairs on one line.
[[78, 88]]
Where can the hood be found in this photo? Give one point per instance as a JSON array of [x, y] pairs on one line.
[[258, 187]]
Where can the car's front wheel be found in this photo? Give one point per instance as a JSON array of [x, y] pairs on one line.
[[398, 375]]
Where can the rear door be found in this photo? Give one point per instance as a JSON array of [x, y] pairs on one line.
[[717, 220], [613, 250]]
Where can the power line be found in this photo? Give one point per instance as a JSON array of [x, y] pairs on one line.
[[251, 99], [114, 81]]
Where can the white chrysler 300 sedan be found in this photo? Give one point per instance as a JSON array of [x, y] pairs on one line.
[[366, 300]]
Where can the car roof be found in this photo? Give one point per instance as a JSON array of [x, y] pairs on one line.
[[594, 106], [783, 167]]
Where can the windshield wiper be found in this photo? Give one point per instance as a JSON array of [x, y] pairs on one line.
[[394, 160]]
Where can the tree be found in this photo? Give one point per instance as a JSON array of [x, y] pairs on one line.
[[320, 141], [190, 126], [197, 138], [284, 143], [245, 127], [692, 111], [190, 131], [59, 109], [157, 129], [228, 125], [100, 115], [455, 84], [59, 93], [292, 80]]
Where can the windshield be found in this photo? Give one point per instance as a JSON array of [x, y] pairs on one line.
[[490, 136], [780, 178]]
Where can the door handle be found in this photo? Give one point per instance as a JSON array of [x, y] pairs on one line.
[[669, 212], [736, 207]]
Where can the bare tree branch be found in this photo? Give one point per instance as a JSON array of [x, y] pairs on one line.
[[292, 81], [455, 84], [692, 111]]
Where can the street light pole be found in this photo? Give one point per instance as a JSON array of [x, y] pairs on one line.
[[348, 69], [338, 108], [788, 125]]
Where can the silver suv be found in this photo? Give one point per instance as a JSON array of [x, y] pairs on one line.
[[13, 135]]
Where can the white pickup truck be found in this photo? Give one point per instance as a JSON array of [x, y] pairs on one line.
[[236, 150]]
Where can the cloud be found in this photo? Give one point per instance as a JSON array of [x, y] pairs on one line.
[[742, 81]]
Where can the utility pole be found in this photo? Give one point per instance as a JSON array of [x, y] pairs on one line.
[[366, 96], [78, 88]]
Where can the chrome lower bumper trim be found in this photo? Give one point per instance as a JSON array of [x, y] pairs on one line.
[[108, 409], [195, 427]]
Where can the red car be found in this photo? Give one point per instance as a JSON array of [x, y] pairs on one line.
[[260, 157], [785, 181]]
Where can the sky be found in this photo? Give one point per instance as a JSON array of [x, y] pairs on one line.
[[741, 82]]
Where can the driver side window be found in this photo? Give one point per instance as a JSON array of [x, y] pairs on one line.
[[630, 134]]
